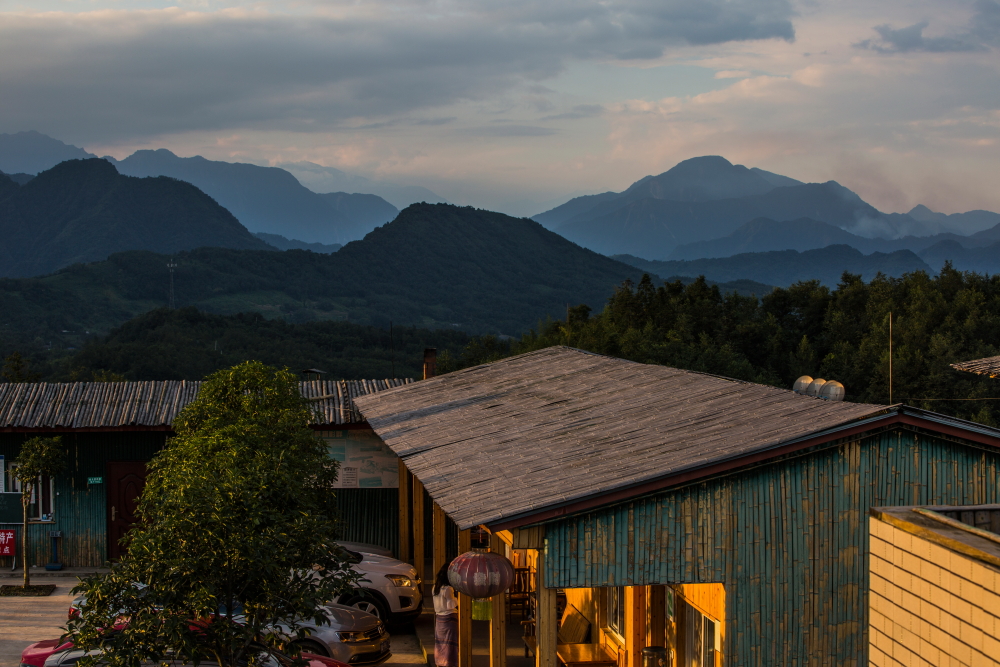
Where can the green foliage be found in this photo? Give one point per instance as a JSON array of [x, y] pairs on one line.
[[39, 458], [237, 533], [15, 369], [186, 344], [806, 329]]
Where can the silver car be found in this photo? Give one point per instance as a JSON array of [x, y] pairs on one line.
[[352, 636]]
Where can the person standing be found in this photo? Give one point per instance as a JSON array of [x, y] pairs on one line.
[[445, 620]]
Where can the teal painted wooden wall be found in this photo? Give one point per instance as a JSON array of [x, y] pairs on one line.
[[789, 540], [81, 510], [370, 515]]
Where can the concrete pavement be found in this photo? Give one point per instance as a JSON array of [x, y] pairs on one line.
[[24, 621]]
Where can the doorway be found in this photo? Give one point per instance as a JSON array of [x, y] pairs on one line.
[[126, 480]]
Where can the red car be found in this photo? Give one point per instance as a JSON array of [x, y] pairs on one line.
[[36, 654]]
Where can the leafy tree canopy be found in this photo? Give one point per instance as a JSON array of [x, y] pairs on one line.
[[806, 329], [39, 458], [238, 524]]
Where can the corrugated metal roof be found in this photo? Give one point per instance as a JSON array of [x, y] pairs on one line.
[[989, 366], [549, 427], [154, 403]]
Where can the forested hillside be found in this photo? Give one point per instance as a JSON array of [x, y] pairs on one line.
[[84, 210], [434, 266], [838, 334], [186, 344]]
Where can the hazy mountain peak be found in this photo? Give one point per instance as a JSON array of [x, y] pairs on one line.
[[924, 214], [702, 178], [32, 152]]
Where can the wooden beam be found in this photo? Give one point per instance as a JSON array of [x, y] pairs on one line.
[[498, 615], [635, 623], [546, 623], [419, 562], [464, 610], [439, 535], [405, 525]]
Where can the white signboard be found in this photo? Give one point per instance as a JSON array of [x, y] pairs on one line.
[[365, 461]]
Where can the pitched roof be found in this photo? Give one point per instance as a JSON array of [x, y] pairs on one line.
[[989, 366], [152, 404], [539, 430]]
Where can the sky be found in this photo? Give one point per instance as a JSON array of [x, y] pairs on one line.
[[516, 105]]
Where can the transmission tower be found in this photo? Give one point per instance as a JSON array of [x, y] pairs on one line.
[[171, 265]]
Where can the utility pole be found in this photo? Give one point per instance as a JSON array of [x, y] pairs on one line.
[[171, 265]]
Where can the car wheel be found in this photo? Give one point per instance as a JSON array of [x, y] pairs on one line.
[[309, 646], [370, 604]]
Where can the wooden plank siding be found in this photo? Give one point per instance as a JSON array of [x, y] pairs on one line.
[[788, 539], [370, 516], [80, 510]]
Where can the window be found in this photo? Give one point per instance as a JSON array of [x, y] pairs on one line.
[[615, 610], [668, 600], [37, 511], [711, 641]]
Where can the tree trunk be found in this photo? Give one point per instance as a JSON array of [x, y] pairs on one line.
[[25, 497]]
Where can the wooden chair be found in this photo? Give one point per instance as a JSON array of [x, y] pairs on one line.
[[519, 594], [574, 628]]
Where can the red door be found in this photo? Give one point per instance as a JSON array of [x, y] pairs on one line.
[[125, 482]]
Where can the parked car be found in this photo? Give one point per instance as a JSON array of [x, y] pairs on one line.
[[389, 590], [351, 635], [70, 656]]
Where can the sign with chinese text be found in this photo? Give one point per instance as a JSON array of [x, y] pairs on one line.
[[365, 461], [8, 544]]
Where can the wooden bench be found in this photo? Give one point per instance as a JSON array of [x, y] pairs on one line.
[[574, 629]]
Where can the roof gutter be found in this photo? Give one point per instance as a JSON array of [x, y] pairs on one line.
[[896, 414]]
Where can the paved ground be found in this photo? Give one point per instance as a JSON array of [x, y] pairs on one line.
[[24, 621]]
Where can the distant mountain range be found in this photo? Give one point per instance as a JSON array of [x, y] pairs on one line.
[[264, 199], [268, 199], [977, 252], [328, 179], [709, 198], [84, 210], [434, 266], [785, 267]]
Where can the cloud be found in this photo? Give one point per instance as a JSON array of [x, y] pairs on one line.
[[983, 31], [510, 131], [113, 74], [579, 111]]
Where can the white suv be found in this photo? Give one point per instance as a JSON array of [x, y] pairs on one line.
[[389, 587]]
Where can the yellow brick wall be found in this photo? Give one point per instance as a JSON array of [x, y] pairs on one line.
[[929, 605]]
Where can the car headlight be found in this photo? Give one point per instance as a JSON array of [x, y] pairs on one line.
[[400, 580], [351, 636]]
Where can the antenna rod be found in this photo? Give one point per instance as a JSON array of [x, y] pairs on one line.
[[890, 357], [171, 266]]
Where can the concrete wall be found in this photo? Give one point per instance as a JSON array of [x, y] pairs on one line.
[[929, 605]]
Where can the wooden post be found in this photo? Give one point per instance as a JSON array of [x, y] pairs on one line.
[[546, 623], [418, 530], [404, 514], [498, 617], [635, 623], [464, 610], [439, 553]]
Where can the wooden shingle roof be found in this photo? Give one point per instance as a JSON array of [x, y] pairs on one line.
[[152, 404], [989, 366], [544, 429]]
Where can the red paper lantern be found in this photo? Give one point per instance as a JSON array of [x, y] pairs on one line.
[[480, 574]]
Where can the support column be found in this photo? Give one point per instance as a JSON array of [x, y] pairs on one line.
[[498, 617], [635, 623], [439, 553], [656, 619], [546, 623], [405, 525], [419, 562], [464, 610]]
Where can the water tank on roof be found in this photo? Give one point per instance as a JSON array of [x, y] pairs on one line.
[[799, 387], [832, 391], [815, 386]]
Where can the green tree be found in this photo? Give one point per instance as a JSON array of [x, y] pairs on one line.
[[39, 459], [237, 532], [15, 369]]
